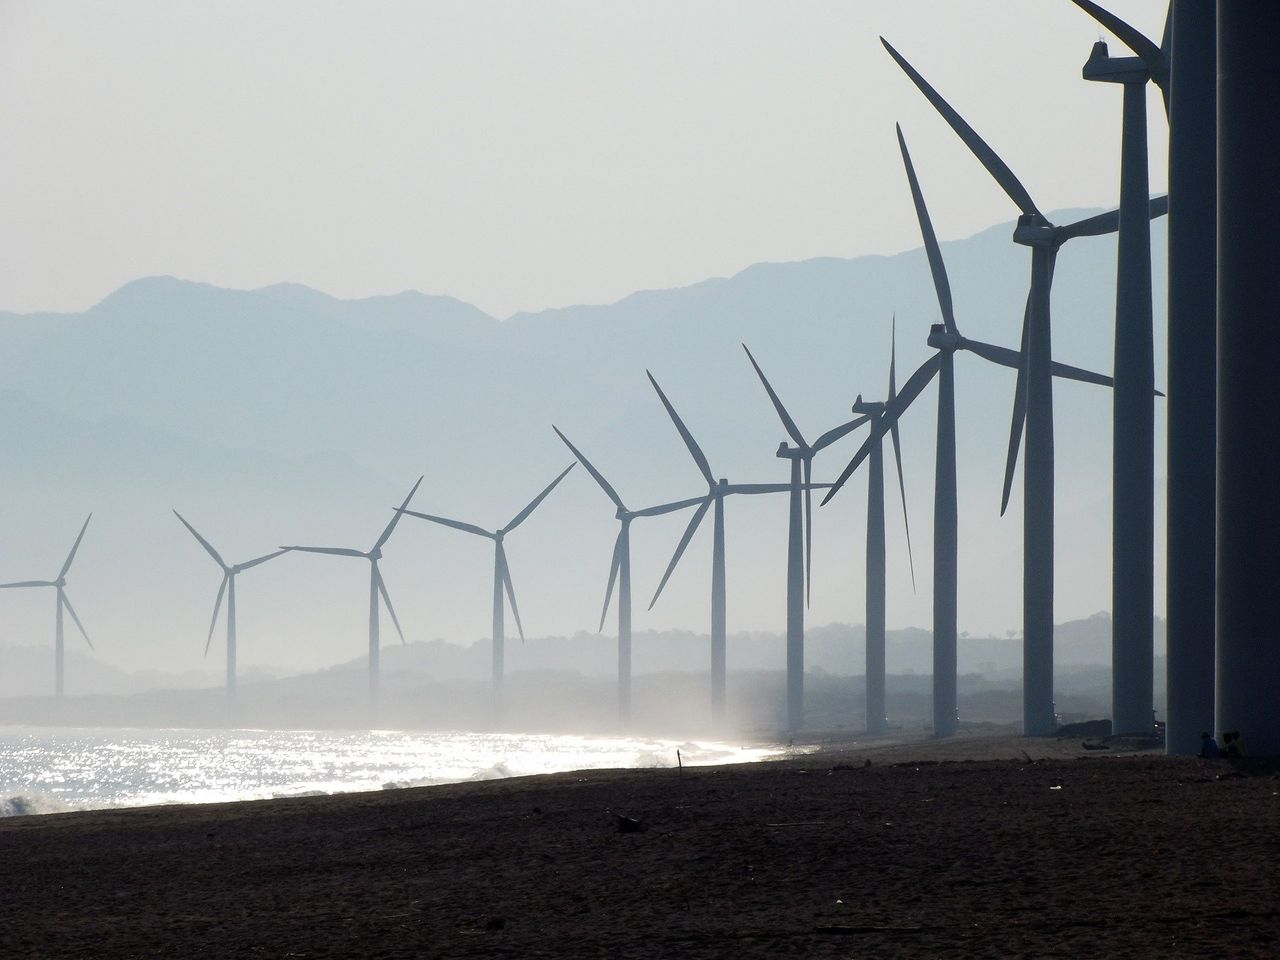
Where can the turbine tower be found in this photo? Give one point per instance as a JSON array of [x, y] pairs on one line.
[[501, 577], [377, 588], [1033, 403], [620, 570], [1133, 437], [717, 490], [801, 456], [876, 565], [946, 339], [228, 587], [59, 583]]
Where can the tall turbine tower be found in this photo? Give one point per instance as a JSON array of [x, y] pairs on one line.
[[798, 538], [501, 578], [946, 339], [876, 565], [228, 586], [1133, 437], [620, 570], [376, 586], [717, 490], [1033, 403], [59, 583]]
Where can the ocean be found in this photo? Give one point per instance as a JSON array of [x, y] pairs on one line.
[[50, 770]]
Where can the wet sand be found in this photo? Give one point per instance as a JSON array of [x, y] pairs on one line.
[[995, 847]]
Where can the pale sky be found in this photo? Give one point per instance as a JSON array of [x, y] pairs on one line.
[[521, 155]]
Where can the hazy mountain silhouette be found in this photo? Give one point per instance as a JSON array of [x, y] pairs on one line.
[[284, 414]]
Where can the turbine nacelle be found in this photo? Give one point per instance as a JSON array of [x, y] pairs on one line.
[[788, 452], [1103, 67], [871, 408], [1033, 230], [375, 553], [942, 339]]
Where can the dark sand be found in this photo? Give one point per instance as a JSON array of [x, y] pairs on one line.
[[936, 849]]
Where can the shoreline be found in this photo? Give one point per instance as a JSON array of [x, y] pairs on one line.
[[965, 848]]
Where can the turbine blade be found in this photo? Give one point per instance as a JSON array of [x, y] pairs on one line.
[[1001, 356], [1019, 413], [941, 285], [689, 531], [386, 532], [787, 422], [217, 557], [664, 508], [511, 592], [902, 489], [217, 608], [74, 547], [386, 598], [66, 602], [613, 576], [332, 551], [262, 559], [1068, 372], [694, 450], [533, 504], [1109, 222], [758, 488], [808, 529], [455, 524], [892, 411], [999, 171], [29, 583], [834, 434], [1151, 55], [604, 484]]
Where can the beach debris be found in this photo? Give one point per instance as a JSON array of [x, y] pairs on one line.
[[629, 824]]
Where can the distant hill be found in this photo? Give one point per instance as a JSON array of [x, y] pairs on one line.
[[286, 415]]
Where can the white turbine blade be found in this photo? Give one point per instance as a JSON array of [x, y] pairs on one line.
[[689, 531], [28, 583], [455, 524], [511, 591], [836, 433], [386, 598], [599, 478], [613, 576], [74, 547], [66, 602], [386, 533], [262, 559], [665, 508], [787, 422], [523, 515], [217, 557], [217, 608], [695, 451], [331, 551]]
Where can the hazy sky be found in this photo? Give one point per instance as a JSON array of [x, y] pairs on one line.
[[520, 155]]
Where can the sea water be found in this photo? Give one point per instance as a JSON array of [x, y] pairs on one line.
[[45, 770]]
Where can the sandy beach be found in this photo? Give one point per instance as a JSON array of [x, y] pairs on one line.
[[977, 847]]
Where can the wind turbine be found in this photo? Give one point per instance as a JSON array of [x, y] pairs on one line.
[[620, 570], [376, 586], [1133, 412], [876, 565], [501, 575], [717, 490], [946, 339], [59, 583], [228, 586], [1033, 404], [801, 456]]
